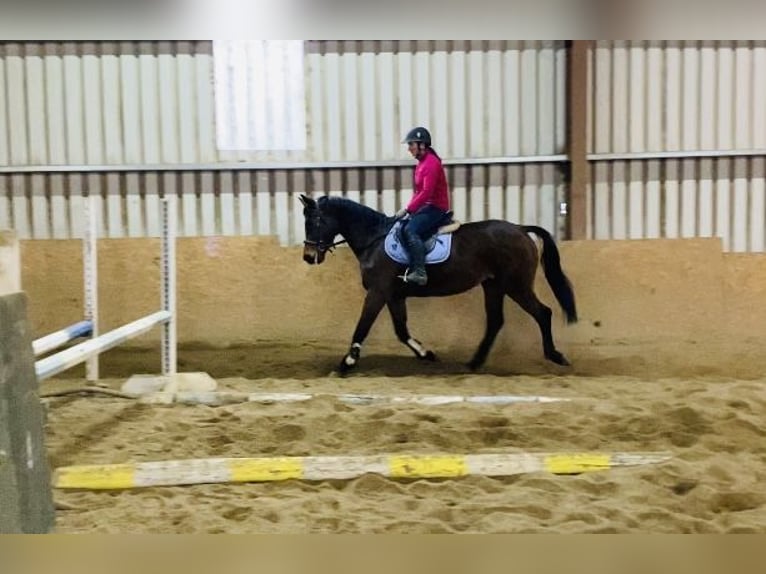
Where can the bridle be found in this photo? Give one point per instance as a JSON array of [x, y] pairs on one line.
[[320, 245]]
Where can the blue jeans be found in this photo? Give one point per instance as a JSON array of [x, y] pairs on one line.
[[419, 227]]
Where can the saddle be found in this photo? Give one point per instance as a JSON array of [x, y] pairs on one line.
[[438, 246]]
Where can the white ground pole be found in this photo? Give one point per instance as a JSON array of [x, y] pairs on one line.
[[77, 354], [89, 326]]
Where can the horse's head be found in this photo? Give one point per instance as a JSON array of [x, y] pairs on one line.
[[321, 229]]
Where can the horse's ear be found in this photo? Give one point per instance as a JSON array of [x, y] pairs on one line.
[[307, 201]]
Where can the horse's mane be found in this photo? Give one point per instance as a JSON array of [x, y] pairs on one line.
[[353, 210]]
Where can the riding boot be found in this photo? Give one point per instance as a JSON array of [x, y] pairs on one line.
[[417, 252]]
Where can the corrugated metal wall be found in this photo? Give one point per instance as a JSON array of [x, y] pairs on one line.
[[704, 100], [139, 105]]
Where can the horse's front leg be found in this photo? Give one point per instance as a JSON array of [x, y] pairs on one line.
[[373, 303], [398, 310]]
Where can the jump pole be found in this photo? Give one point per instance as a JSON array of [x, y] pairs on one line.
[[89, 351], [269, 469]]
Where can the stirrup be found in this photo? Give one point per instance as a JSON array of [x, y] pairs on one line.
[[407, 274]]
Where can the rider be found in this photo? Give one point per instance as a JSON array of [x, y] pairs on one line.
[[429, 204]]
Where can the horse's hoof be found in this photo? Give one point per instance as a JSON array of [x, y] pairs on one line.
[[474, 366], [559, 359], [429, 356], [346, 365]]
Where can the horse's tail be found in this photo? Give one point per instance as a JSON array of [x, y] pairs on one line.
[[559, 283]]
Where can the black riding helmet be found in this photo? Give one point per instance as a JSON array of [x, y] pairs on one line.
[[418, 134]]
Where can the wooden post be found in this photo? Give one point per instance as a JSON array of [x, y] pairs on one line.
[[577, 133]]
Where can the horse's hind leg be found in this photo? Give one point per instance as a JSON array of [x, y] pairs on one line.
[[398, 310], [493, 306], [528, 301]]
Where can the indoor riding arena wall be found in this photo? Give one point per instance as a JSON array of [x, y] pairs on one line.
[[250, 307]]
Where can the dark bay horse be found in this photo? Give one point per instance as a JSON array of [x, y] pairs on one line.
[[496, 254]]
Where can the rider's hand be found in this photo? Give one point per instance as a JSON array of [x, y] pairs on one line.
[[402, 213]]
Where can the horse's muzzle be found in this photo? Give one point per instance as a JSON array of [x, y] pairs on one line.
[[312, 255]]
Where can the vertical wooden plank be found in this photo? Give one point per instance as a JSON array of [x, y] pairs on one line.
[[369, 120], [601, 201], [636, 200], [759, 96], [529, 98], [439, 94], [494, 102], [333, 104], [134, 204], [477, 195], [743, 105], [59, 207], [602, 96], [512, 100], [405, 188], [690, 97], [93, 94], [152, 204], [4, 129], [705, 204], [73, 107], [168, 90], [370, 196], [688, 198], [560, 90], [546, 92], [263, 202], [459, 187], [350, 106], [75, 185], [226, 198], [672, 114], [514, 177], [758, 205], [41, 214], [636, 90], [653, 113], [205, 109], [388, 194], [353, 187], [495, 193], [672, 202], [208, 210], [18, 136], [96, 190], [187, 105], [725, 115], [113, 138], [316, 108], [476, 103], [577, 139], [36, 109], [619, 211], [741, 217], [150, 121], [297, 187], [114, 206], [620, 117], [723, 200], [707, 90], [130, 108], [245, 199], [336, 183], [22, 221], [547, 205], [54, 107], [422, 84], [653, 200], [190, 199], [529, 194], [389, 135], [6, 215], [458, 102]]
